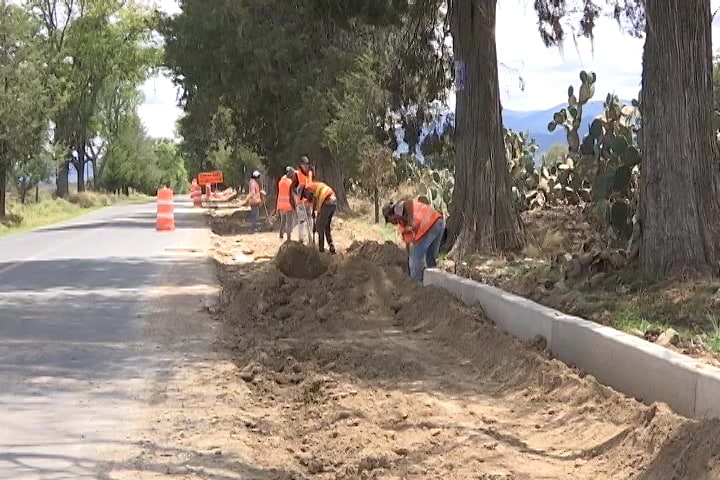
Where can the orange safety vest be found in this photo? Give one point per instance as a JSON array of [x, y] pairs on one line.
[[321, 192], [254, 193], [304, 180], [424, 217], [283, 199]]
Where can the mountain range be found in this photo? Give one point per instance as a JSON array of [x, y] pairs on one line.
[[535, 122]]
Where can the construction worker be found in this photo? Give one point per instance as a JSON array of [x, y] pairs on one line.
[[304, 175], [422, 228], [284, 204], [254, 200], [323, 202]]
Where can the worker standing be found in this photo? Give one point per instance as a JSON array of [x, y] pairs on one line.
[[324, 202], [303, 176], [255, 200], [422, 228], [284, 204]]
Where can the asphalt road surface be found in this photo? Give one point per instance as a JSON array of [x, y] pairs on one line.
[[76, 362]]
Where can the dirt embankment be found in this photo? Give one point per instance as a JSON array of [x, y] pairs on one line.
[[362, 373]]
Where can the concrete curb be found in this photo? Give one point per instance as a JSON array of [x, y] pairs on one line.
[[630, 365]]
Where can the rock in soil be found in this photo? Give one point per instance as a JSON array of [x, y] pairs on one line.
[[668, 337]]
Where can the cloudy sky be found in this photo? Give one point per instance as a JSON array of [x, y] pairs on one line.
[[546, 72]]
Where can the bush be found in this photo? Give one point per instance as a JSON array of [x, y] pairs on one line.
[[90, 199]]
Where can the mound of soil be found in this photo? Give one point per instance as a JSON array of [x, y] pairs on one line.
[[299, 261], [386, 254], [362, 370]]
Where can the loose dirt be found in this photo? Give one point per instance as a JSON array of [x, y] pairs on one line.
[[362, 373]]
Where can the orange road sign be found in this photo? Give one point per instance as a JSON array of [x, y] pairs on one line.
[[209, 178]]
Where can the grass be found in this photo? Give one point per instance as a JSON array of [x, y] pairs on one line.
[[50, 210]]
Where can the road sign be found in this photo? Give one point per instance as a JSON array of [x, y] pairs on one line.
[[210, 178]]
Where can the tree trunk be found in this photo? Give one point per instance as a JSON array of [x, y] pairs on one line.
[[3, 192], [126, 191], [328, 171], [680, 184], [80, 170], [24, 189], [376, 202], [95, 175], [482, 216], [37, 193], [63, 190]]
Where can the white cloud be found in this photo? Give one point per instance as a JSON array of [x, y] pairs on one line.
[[547, 72], [160, 112]]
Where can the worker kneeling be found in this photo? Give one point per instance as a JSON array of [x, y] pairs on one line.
[[421, 227], [324, 203]]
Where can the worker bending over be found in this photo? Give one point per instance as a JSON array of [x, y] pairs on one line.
[[284, 204], [303, 176], [421, 227], [324, 202]]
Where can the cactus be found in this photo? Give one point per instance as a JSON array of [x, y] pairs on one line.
[[437, 186]]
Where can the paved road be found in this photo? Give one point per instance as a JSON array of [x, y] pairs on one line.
[[75, 361]]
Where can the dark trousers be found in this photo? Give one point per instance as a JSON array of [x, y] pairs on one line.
[[322, 225]]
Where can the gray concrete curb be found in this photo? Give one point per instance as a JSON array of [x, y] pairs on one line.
[[630, 365]]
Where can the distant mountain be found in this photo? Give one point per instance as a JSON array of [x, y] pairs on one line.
[[536, 123]]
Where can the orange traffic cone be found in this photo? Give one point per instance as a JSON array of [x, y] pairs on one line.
[[165, 210]]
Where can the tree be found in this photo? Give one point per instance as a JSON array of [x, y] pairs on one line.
[[376, 173], [171, 165], [481, 214], [24, 102], [679, 177], [93, 43]]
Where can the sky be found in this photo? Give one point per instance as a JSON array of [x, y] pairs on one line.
[[546, 72]]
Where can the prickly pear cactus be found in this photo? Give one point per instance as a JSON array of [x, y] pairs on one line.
[[437, 186]]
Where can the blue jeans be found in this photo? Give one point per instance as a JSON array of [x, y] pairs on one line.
[[426, 251], [254, 216]]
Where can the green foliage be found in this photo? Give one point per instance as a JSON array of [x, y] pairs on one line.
[[171, 165], [377, 173], [555, 154], [24, 100], [358, 113], [520, 151]]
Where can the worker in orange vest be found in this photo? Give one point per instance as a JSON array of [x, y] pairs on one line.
[[324, 202], [422, 228], [284, 204], [303, 176], [255, 194]]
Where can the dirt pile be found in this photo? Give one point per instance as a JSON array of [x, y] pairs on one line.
[[362, 373], [386, 254], [299, 261]]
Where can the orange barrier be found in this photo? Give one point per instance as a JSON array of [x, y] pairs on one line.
[[165, 210]]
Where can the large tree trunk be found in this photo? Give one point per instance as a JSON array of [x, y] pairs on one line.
[[679, 187], [63, 190], [95, 175], [482, 216], [80, 170], [328, 171]]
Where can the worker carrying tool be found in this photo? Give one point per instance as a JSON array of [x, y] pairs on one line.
[[303, 176], [284, 203], [254, 199], [421, 227], [323, 202]]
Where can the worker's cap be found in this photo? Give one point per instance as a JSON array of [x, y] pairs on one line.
[[256, 174], [387, 209], [304, 161]]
